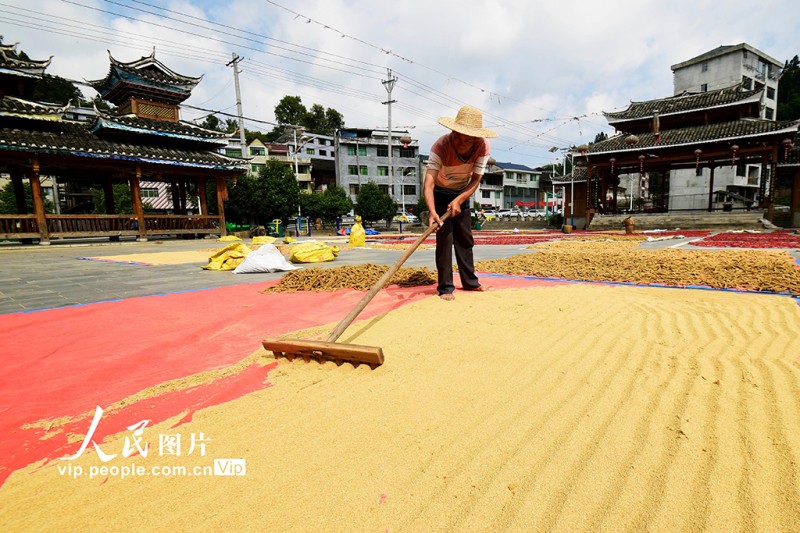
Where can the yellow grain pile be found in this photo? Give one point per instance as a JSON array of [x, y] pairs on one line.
[[361, 277], [755, 270]]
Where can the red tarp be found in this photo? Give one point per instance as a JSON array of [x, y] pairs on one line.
[[64, 362]]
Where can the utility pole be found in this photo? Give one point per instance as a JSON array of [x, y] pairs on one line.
[[235, 64], [389, 84]]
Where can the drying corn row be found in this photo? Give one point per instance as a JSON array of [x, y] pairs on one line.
[[361, 277], [752, 270]]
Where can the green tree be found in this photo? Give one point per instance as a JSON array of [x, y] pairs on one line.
[[290, 111], [123, 204], [334, 121], [374, 204], [335, 203], [8, 200], [56, 90], [258, 201], [789, 91], [315, 119], [242, 206], [279, 192], [211, 122]]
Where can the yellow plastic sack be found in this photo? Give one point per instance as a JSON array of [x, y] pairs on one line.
[[358, 237], [313, 252], [263, 239], [228, 258], [229, 238]]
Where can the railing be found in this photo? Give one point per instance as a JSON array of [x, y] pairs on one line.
[[18, 226], [25, 226], [90, 225], [178, 224]]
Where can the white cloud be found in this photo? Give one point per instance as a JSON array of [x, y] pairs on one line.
[[531, 66]]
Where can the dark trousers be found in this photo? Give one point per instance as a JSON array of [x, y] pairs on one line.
[[455, 234]]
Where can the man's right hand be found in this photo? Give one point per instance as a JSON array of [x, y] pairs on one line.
[[433, 218]]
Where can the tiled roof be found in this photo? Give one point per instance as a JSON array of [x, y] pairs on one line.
[[75, 139], [739, 129], [685, 102], [181, 130], [513, 166], [11, 62], [11, 106], [578, 175], [151, 69]]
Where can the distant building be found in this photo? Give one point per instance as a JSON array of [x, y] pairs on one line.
[[727, 66], [362, 156]]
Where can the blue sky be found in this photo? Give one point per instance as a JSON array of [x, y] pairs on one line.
[[543, 72]]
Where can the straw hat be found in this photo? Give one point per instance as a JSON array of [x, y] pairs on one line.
[[468, 121]]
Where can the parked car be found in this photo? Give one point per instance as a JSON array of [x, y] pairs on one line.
[[406, 218], [504, 214]]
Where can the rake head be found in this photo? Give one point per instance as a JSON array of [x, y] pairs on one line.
[[322, 351]]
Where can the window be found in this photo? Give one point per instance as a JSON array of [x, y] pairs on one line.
[[354, 188], [303, 169], [310, 151], [409, 190], [521, 178], [255, 150], [741, 170], [256, 168], [703, 87], [769, 113], [747, 83], [352, 170], [363, 170], [323, 153], [704, 67], [149, 193], [486, 194], [362, 150], [383, 151], [699, 171], [383, 171], [407, 152], [409, 171], [233, 153], [351, 150], [384, 189], [771, 93]]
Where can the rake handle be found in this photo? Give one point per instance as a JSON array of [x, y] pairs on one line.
[[346, 321]]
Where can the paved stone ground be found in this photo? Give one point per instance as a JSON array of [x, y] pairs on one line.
[[34, 277]]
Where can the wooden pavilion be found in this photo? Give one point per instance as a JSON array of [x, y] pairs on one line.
[[687, 131], [144, 139]]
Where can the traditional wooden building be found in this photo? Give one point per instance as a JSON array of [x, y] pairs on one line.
[[698, 131], [144, 139]]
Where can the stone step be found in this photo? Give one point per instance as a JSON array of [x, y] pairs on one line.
[[643, 221]]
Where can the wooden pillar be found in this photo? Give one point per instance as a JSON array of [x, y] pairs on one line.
[[176, 204], [201, 195], [136, 197], [794, 208], [222, 195], [108, 193], [711, 188], [773, 178], [664, 205], [182, 197], [19, 190], [38, 203]]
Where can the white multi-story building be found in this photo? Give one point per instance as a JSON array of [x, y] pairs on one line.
[[725, 67]]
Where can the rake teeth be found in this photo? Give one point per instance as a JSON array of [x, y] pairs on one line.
[[322, 351]]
